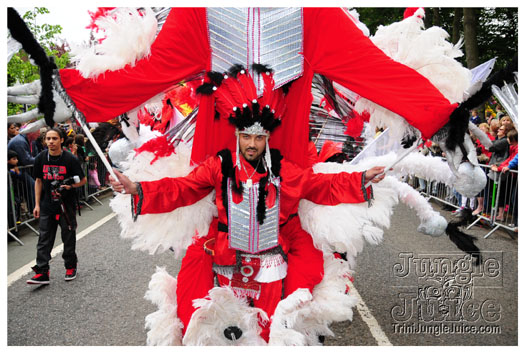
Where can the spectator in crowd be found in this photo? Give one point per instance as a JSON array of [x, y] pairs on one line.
[[513, 164], [12, 130], [507, 122], [14, 193], [71, 146], [475, 117], [55, 205], [494, 126], [80, 141], [38, 145], [489, 116], [499, 111], [20, 144], [512, 139], [484, 156], [500, 152]]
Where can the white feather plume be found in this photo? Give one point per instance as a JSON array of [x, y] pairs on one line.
[[426, 51], [164, 327], [129, 35], [218, 311], [159, 232], [302, 317], [432, 223], [346, 227]]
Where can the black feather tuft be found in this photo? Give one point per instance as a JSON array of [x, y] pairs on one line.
[[255, 109], [206, 89], [260, 68], [22, 34], [226, 163], [215, 77], [235, 69], [458, 126], [286, 87], [408, 141], [261, 202], [464, 241], [276, 157], [46, 103]]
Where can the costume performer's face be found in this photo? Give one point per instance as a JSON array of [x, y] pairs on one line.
[[53, 141], [252, 146]]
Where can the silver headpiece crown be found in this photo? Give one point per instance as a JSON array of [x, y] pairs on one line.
[[255, 129]]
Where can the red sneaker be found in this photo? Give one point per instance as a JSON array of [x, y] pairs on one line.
[[39, 278], [71, 274]]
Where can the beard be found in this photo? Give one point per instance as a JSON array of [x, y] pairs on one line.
[[251, 154]]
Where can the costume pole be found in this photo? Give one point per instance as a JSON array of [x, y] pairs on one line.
[[81, 119], [414, 146], [97, 148]]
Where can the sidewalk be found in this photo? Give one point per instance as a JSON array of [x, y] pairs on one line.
[[20, 255]]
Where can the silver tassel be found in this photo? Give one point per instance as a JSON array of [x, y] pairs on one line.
[[237, 159], [268, 159]]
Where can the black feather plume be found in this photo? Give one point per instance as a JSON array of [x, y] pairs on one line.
[[235, 69], [464, 241], [408, 141], [261, 68], [206, 89], [261, 202], [46, 65], [216, 77]]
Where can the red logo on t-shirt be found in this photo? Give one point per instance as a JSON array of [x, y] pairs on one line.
[[54, 172]]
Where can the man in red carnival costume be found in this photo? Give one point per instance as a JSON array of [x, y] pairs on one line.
[[257, 245]]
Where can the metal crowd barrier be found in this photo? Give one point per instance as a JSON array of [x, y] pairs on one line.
[[20, 200], [21, 190], [498, 200], [97, 180]]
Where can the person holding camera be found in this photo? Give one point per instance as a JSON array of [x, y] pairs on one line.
[[57, 172]]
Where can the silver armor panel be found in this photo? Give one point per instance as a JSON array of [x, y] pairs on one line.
[[270, 36], [244, 232]]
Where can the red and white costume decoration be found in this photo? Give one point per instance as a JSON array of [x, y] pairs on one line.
[[182, 51]]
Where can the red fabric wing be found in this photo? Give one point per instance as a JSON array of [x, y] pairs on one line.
[[181, 50]]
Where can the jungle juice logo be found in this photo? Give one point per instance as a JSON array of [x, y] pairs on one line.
[[437, 294]]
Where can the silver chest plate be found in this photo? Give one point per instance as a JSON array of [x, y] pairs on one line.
[[270, 36], [244, 232]]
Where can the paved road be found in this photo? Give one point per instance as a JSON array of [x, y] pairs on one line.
[[105, 305]]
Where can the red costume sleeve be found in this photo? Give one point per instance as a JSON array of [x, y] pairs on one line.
[[180, 50], [326, 189], [336, 48], [167, 194]]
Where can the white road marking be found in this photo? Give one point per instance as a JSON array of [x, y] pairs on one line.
[[370, 320], [22, 271], [366, 315]]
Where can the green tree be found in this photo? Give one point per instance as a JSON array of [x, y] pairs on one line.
[[496, 28], [20, 69]]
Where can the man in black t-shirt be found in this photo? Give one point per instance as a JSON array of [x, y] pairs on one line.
[[56, 173]]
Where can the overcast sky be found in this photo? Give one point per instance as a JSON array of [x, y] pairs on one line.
[[73, 20]]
